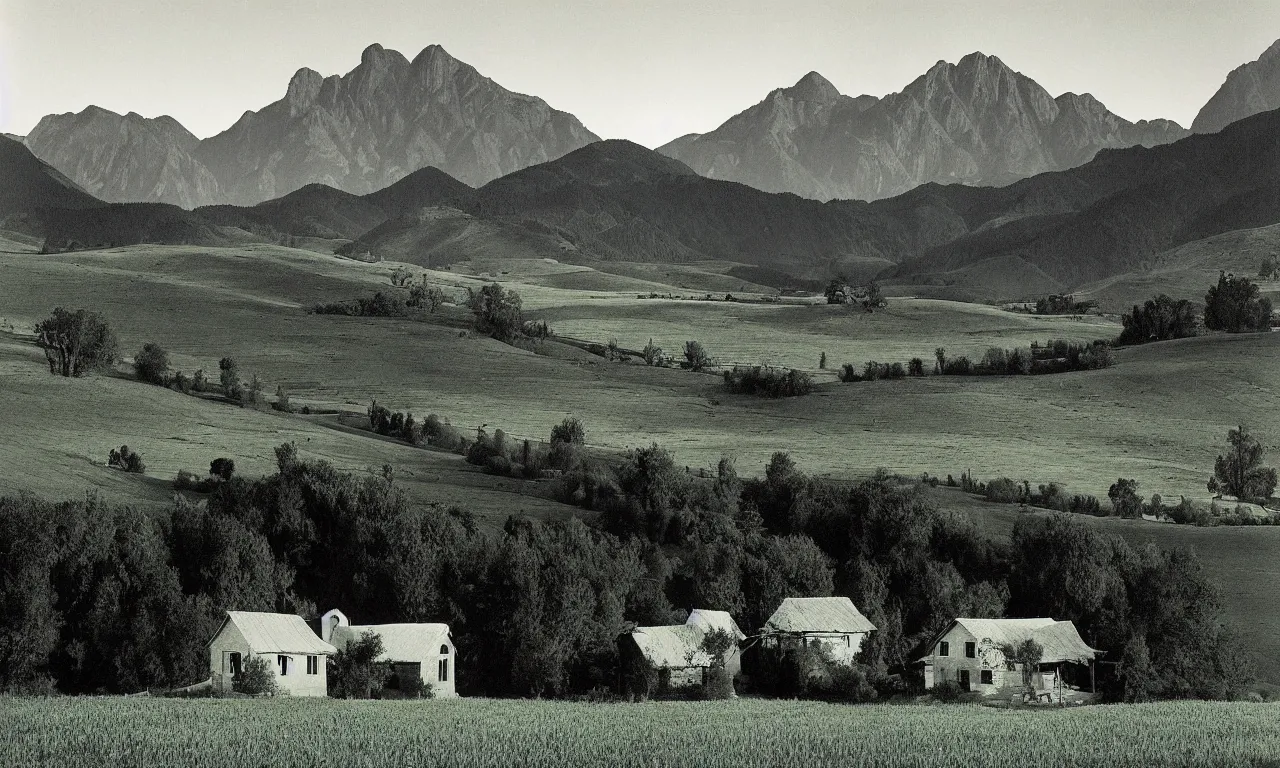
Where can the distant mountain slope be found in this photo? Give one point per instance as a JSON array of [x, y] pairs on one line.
[[1061, 230], [122, 224], [438, 237], [975, 122], [424, 188], [313, 211], [380, 122], [1249, 89], [126, 158], [28, 184]]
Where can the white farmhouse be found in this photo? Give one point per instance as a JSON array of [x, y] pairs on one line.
[[831, 623], [968, 652], [422, 652], [295, 653]]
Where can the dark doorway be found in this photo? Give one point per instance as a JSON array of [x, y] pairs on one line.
[[964, 680]]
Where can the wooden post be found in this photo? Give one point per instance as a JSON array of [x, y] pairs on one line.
[[1093, 676]]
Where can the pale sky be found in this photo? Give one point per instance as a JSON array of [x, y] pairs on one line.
[[648, 71]]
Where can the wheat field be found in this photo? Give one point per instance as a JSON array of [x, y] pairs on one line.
[[471, 733]]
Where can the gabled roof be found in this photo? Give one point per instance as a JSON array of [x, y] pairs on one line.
[[701, 617], [1059, 639], [817, 614], [676, 646], [275, 633], [400, 642]]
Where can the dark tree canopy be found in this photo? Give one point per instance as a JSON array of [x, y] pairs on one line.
[[151, 364], [497, 312], [76, 343], [1235, 305], [696, 358], [1159, 319], [1240, 472]]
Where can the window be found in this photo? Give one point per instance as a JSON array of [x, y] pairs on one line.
[[283, 661], [986, 677], [444, 650], [313, 665], [944, 648], [971, 650], [444, 670]]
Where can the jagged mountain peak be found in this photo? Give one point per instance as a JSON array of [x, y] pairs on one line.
[[813, 87], [1249, 89]]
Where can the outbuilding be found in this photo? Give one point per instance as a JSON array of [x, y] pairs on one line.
[[833, 624], [676, 651], [970, 653], [416, 652], [296, 655]]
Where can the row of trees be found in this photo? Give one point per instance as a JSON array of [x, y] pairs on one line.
[[1057, 356], [1234, 305], [105, 599]]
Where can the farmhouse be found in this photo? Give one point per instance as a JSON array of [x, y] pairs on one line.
[[416, 652], [676, 651], [969, 653], [297, 656], [833, 624]]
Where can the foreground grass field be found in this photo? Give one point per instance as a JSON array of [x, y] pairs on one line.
[[740, 734]]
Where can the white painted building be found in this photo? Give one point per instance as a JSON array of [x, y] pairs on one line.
[[833, 624], [968, 653], [296, 655], [676, 651], [422, 651]]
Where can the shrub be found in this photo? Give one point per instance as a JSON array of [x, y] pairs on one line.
[[1159, 319], [229, 377], [651, 353], [282, 400], [695, 356], [126, 460], [849, 374], [381, 304], [822, 362], [354, 672], [915, 367], [188, 481], [76, 343], [497, 311], [765, 381], [151, 365], [569, 431], [222, 469], [256, 677], [947, 691], [717, 684]]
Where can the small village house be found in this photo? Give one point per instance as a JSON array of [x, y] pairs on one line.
[[675, 652], [296, 655], [832, 624], [968, 652], [415, 652]]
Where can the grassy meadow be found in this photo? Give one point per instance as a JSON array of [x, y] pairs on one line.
[[126, 732], [1160, 415]]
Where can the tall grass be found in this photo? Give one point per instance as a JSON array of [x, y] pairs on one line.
[[744, 733]]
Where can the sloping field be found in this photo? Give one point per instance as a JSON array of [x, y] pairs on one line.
[[1186, 272], [1160, 415], [739, 734]]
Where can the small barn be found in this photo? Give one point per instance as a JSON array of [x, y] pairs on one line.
[[833, 624], [415, 652], [968, 652], [297, 656], [676, 653]]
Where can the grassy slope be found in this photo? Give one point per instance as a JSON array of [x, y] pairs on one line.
[[1186, 272], [479, 732], [1243, 562]]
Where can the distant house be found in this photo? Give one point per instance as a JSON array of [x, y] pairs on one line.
[[676, 653], [422, 652], [968, 652], [831, 623], [296, 654]]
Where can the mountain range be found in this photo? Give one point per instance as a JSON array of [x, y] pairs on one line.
[[1249, 89], [976, 122], [359, 133]]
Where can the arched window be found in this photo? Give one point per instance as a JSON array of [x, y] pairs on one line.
[[444, 650]]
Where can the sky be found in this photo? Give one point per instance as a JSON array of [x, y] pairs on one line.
[[648, 71]]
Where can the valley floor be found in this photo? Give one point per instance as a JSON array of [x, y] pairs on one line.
[[128, 732]]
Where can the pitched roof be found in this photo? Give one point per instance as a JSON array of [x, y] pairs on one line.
[[400, 642], [675, 646], [817, 614], [701, 617], [275, 633], [1059, 639]]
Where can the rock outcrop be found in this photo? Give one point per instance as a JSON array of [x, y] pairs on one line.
[[1248, 90]]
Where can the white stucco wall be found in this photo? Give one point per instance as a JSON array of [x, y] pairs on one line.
[[296, 683], [941, 668]]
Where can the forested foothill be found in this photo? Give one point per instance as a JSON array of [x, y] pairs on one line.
[[100, 599]]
